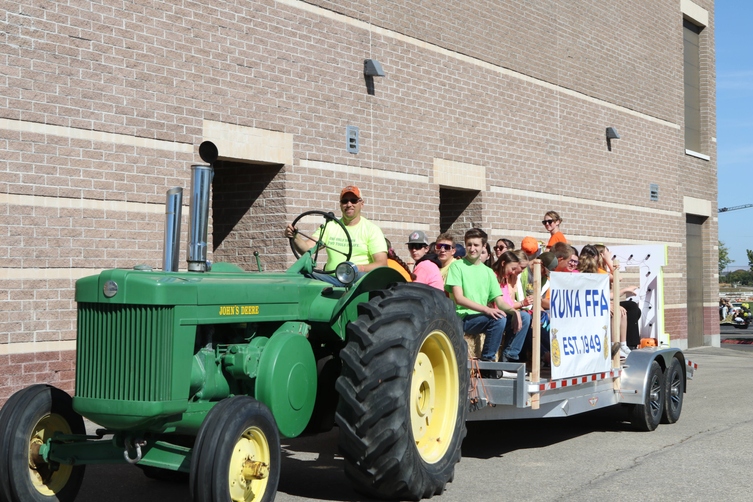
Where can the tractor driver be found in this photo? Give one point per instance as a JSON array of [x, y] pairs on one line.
[[369, 245]]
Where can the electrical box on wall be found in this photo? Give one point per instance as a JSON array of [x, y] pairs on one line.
[[351, 138]]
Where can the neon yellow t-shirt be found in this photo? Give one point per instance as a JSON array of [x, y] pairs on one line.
[[366, 237], [444, 270]]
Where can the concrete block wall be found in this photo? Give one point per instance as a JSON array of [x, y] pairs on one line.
[[103, 105]]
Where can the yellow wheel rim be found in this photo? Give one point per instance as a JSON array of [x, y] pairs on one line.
[[434, 396], [249, 466], [43, 478]]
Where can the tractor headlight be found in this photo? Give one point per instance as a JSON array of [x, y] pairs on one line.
[[346, 272], [110, 289]]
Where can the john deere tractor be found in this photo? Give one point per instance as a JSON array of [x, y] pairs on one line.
[[202, 372]]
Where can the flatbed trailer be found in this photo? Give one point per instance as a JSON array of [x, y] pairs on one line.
[[511, 397], [650, 382]]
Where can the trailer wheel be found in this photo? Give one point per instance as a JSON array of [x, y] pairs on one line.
[[29, 419], [239, 456], [403, 394], [674, 392], [646, 417]]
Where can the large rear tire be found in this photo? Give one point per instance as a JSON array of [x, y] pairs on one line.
[[403, 394], [238, 457], [674, 392], [647, 416], [29, 418]]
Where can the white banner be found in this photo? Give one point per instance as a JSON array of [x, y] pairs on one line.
[[580, 324]]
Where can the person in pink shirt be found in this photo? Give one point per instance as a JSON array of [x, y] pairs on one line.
[[426, 268], [507, 268]]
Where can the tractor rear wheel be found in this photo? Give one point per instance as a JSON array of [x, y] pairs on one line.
[[403, 394], [29, 418]]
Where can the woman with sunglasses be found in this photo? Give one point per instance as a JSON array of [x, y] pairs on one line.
[[426, 264], [552, 223], [502, 246]]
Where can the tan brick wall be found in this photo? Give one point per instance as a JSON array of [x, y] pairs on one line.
[[103, 105]]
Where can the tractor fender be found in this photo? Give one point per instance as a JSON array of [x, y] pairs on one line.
[[635, 371]]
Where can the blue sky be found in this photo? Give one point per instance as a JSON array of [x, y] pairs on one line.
[[734, 124]]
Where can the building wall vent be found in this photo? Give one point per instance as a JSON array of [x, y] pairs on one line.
[[351, 138]]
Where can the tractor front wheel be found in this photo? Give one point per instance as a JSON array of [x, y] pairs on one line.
[[29, 418], [403, 394], [238, 458]]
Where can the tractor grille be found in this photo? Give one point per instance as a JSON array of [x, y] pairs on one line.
[[124, 352]]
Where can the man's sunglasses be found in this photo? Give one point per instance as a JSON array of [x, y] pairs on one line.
[[547, 222], [353, 201], [446, 247], [417, 246]]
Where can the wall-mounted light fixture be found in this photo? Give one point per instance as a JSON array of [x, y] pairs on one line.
[[611, 134], [372, 68]]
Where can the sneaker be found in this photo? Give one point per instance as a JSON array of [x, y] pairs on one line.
[[616, 348], [624, 351], [508, 359]]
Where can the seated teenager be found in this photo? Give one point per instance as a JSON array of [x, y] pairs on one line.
[[473, 288], [630, 312], [567, 257], [445, 248], [507, 269], [426, 264]]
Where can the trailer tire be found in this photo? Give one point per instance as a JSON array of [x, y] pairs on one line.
[[674, 392], [239, 455], [403, 394], [647, 416], [29, 418]]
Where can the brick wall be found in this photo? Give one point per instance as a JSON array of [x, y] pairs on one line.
[[103, 104]]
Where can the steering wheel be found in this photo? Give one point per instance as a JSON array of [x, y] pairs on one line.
[[328, 217]]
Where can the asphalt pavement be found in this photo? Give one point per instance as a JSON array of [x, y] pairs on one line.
[[706, 455]]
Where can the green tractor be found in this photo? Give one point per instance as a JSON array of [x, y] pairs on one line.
[[199, 374]]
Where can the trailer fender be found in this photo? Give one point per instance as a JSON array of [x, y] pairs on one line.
[[634, 377]]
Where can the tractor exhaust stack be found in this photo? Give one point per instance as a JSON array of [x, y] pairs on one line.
[[201, 184], [171, 248]]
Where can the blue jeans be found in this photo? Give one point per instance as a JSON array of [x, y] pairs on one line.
[[493, 328], [545, 344], [515, 341]]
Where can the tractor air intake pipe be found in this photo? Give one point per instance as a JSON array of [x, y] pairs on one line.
[[171, 248], [201, 183]]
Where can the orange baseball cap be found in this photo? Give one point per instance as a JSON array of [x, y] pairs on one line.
[[351, 189], [529, 245]]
